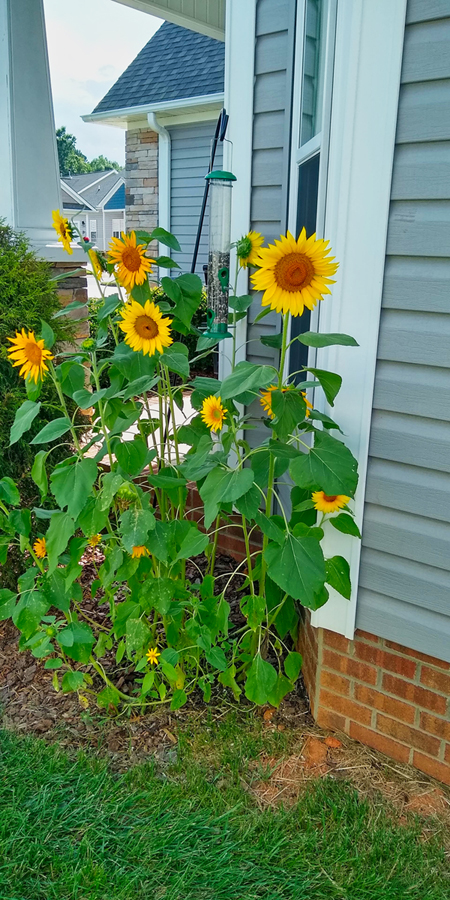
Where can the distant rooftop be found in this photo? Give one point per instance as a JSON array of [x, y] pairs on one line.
[[94, 186], [175, 64]]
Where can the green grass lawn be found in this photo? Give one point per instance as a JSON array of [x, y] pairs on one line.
[[70, 829]]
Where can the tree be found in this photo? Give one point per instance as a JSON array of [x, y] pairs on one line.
[[102, 164], [73, 162]]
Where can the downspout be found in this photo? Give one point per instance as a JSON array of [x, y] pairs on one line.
[[163, 174]]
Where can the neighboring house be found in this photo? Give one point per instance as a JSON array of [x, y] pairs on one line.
[[168, 100], [95, 202], [339, 121]]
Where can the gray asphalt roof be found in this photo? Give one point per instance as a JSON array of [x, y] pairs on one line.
[[95, 194], [175, 64]]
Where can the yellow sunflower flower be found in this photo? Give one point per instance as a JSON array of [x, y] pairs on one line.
[[145, 327], [94, 540], [329, 503], [63, 230], [132, 265], [294, 273], [152, 655], [40, 548], [309, 405], [93, 256], [248, 249], [266, 397], [30, 354], [139, 551], [213, 413]]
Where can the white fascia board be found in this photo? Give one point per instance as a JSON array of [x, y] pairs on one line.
[[69, 190], [240, 24], [178, 18], [120, 117], [368, 57]]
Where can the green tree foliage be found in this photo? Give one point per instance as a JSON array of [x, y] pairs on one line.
[[73, 162]]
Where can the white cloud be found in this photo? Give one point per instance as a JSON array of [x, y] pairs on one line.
[[90, 44]]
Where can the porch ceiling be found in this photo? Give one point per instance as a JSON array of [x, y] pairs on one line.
[[205, 16]]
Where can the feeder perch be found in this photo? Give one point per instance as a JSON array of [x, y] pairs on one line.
[[218, 276]]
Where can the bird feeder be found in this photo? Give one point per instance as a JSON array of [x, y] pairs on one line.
[[218, 274]]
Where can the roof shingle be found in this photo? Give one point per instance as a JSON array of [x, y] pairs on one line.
[[175, 64]]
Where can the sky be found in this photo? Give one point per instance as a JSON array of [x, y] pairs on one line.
[[90, 43]]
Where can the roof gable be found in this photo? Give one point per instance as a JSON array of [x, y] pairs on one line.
[[175, 64]]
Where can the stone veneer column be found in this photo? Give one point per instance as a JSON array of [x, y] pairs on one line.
[[141, 189]]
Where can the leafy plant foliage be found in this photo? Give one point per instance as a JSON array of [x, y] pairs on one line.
[[128, 496]]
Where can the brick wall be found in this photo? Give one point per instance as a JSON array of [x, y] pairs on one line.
[[389, 697], [141, 180]]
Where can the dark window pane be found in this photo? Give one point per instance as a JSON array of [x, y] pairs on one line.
[[308, 183]]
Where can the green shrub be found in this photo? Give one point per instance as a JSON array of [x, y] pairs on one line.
[[27, 296]]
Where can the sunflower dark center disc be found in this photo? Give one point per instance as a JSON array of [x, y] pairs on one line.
[[131, 259], [294, 272], [33, 354], [330, 499], [146, 327]]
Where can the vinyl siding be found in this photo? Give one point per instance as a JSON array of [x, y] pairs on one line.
[[404, 584], [190, 153], [274, 54]]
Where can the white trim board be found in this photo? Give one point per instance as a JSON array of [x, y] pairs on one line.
[[120, 116], [239, 76], [368, 56]]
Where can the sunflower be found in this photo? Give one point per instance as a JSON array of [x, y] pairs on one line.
[[145, 327], [213, 413], [294, 274], [93, 256], [132, 265], [329, 503], [94, 540], [63, 230], [152, 655], [248, 249], [40, 548], [30, 354], [266, 397], [139, 551]]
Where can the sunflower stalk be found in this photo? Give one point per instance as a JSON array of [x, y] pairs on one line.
[[173, 630]]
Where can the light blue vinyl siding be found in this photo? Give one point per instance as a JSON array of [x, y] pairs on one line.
[[404, 584], [190, 153], [274, 53]]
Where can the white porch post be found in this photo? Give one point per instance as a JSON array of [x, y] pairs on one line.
[[29, 186]]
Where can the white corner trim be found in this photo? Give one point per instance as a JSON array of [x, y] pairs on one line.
[[239, 76], [368, 57], [6, 149], [164, 160]]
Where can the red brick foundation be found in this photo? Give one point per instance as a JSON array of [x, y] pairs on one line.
[[389, 697]]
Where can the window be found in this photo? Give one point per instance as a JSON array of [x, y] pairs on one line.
[[118, 226], [93, 230], [312, 106]]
